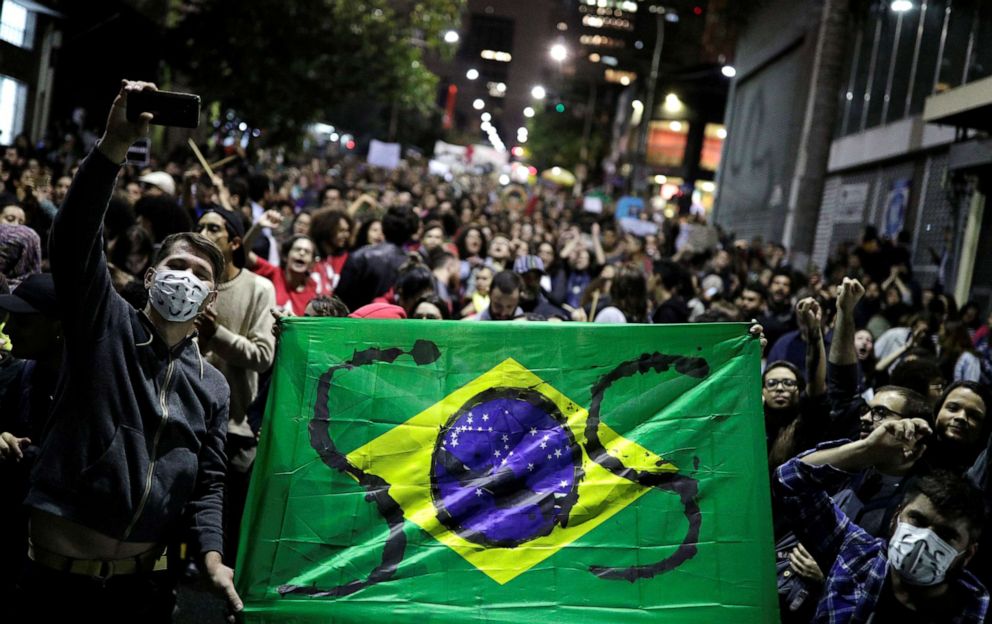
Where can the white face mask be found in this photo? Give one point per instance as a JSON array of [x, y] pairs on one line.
[[919, 556], [177, 295]]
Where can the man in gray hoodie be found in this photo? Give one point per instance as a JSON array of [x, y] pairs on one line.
[[133, 459]]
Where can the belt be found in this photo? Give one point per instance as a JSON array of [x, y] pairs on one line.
[[151, 561]]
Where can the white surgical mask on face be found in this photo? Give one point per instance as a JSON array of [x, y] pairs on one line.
[[919, 556], [177, 295]]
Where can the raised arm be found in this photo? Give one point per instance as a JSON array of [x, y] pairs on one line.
[[843, 393], [842, 347], [362, 200], [597, 246], [810, 318], [892, 447], [79, 267], [270, 219], [914, 338]]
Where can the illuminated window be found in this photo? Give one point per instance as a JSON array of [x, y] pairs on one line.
[[620, 77], [496, 55], [666, 146], [13, 97], [713, 137], [16, 24]]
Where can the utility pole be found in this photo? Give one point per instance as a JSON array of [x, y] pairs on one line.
[[640, 185]]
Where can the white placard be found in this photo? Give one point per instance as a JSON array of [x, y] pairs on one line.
[[385, 155]]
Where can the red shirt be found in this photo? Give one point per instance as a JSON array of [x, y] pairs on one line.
[[294, 301], [327, 272]]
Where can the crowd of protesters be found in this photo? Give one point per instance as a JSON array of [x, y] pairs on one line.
[[141, 304]]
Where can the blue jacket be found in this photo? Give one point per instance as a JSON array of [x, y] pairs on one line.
[[137, 429]]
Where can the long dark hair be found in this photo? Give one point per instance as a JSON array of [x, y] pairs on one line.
[[324, 228], [136, 240], [629, 293]]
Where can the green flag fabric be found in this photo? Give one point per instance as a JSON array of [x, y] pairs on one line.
[[433, 471]]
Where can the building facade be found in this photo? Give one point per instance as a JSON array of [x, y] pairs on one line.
[[846, 114], [29, 39]]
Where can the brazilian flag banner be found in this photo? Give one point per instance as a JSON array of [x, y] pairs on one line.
[[434, 471]]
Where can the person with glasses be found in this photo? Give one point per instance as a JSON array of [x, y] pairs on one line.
[[794, 414], [918, 570], [869, 497]]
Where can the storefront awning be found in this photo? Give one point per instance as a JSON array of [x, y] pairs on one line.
[[968, 106]]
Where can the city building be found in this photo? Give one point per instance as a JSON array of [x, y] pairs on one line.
[[876, 112], [29, 38]]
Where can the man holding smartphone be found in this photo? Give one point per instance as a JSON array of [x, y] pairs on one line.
[[133, 460]]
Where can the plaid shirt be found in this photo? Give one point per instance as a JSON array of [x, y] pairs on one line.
[[857, 561]]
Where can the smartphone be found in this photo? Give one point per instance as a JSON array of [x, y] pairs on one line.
[[168, 108]]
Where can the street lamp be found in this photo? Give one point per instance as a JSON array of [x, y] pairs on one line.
[[538, 92], [528, 112], [673, 104], [478, 104], [729, 71], [451, 37], [486, 117], [901, 6], [559, 52], [472, 74]]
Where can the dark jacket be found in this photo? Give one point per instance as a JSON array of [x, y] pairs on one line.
[[369, 273], [137, 429], [673, 310]]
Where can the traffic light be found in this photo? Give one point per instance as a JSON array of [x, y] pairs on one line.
[[559, 107]]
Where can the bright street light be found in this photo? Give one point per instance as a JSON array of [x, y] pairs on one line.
[[478, 104], [673, 104], [528, 112], [729, 71], [486, 117], [559, 52], [472, 74], [451, 37], [901, 6], [538, 92]]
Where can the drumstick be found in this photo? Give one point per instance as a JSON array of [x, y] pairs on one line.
[[199, 156], [223, 161]]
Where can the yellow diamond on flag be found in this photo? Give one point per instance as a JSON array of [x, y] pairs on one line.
[[497, 471]]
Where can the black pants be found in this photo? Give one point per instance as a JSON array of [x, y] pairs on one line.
[[235, 496], [45, 595]]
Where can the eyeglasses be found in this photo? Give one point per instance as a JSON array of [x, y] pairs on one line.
[[880, 412], [788, 384]]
